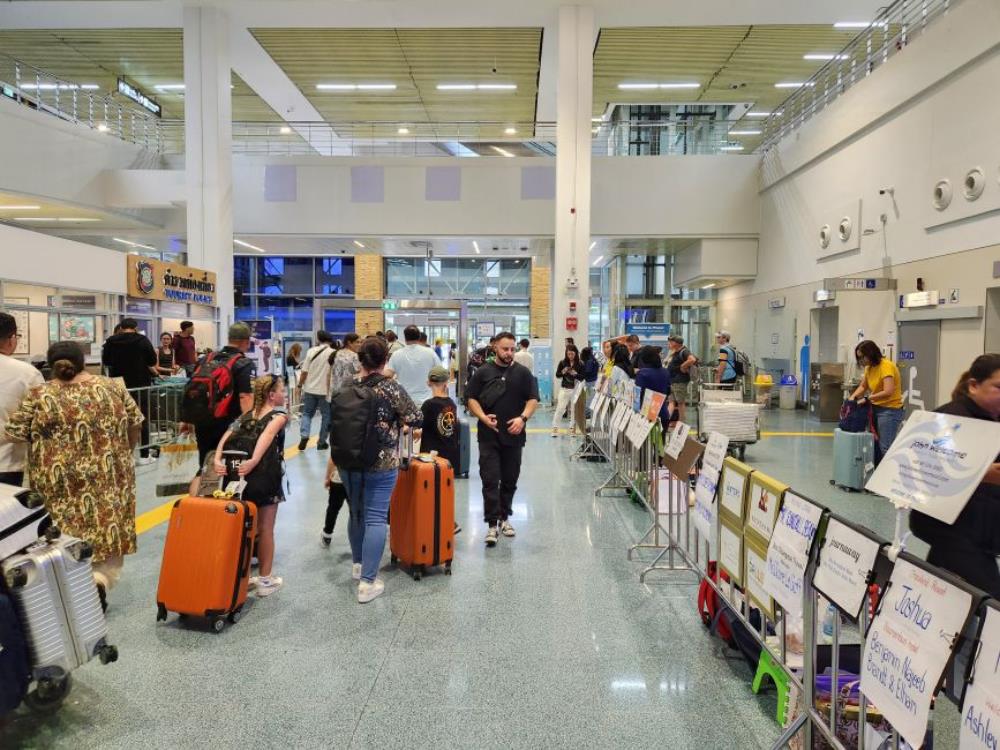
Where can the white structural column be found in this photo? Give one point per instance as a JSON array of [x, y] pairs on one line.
[[208, 153], [575, 94]]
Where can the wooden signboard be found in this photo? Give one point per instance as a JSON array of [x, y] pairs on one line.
[[149, 278]]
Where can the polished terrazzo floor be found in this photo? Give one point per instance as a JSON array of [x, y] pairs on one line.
[[549, 640]]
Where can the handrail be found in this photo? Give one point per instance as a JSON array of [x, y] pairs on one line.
[[694, 137], [73, 102], [888, 34]]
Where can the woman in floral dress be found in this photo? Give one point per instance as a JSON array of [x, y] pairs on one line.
[[80, 430]]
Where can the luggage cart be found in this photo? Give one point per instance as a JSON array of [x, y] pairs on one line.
[[721, 409]]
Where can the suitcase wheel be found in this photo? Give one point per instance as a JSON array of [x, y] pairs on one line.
[[417, 574], [393, 559], [218, 624], [161, 613], [49, 693], [108, 654], [235, 615], [447, 568]]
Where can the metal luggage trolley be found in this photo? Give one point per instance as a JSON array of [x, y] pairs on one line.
[[721, 409]]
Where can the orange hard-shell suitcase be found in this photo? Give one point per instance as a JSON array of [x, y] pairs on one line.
[[422, 515], [206, 559]]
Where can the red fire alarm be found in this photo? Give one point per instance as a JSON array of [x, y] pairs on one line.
[[572, 306], [571, 323]]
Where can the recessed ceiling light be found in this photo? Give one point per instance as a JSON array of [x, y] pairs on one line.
[[497, 86], [744, 132], [165, 87], [593, 244], [598, 259], [709, 286], [511, 131], [133, 244], [793, 84], [858, 24], [818, 56], [476, 87], [502, 151], [355, 87], [285, 130], [20, 208], [359, 244], [241, 243], [651, 86], [757, 114], [30, 218], [476, 246], [730, 148], [403, 131]]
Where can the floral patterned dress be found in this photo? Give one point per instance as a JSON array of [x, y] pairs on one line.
[[80, 461]]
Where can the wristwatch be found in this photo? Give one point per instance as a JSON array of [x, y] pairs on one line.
[[524, 418]]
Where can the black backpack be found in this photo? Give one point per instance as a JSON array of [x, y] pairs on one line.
[[353, 437], [210, 392]]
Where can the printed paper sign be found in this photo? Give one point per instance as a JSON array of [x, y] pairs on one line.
[[677, 440], [909, 644], [706, 517], [845, 562], [765, 499], [788, 552], [733, 487], [936, 463], [652, 408], [731, 553], [981, 707], [671, 503], [756, 574]]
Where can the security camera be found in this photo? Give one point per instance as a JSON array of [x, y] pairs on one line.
[[888, 190], [494, 69]]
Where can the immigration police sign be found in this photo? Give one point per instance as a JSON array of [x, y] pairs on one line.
[[153, 279]]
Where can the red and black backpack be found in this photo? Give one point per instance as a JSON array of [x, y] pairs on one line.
[[210, 392]]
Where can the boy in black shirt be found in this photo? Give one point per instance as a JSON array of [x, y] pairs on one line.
[[440, 427]]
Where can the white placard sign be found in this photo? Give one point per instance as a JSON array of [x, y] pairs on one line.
[[763, 509], [845, 562], [756, 575], [706, 516], [788, 551], [676, 503], [730, 549], [642, 429], [577, 391], [909, 644], [936, 462], [733, 485], [678, 438], [981, 707]]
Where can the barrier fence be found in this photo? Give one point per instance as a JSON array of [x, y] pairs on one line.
[[833, 614]]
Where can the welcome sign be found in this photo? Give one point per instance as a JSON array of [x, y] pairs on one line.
[[936, 463]]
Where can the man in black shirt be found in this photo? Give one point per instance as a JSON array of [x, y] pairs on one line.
[[680, 363], [502, 395], [129, 355]]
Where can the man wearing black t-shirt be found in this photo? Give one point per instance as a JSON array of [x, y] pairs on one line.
[[502, 395]]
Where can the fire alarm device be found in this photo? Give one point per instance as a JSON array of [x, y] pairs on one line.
[[571, 323], [572, 306]]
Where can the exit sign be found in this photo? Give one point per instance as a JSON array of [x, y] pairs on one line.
[[390, 304]]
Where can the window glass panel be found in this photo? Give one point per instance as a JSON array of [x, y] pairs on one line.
[[285, 275], [242, 272], [401, 277], [335, 276], [289, 314]]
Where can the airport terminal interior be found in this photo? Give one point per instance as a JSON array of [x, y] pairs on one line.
[[758, 513]]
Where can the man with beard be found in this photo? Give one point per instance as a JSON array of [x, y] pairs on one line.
[[502, 395]]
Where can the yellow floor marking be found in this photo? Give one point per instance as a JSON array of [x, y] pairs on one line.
[[160, 514]]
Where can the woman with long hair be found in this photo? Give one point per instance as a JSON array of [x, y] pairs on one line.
[[260, 432], [166, 363], [622, 364], [881, 387], [81, 430], [569, 372], [970, 546], [292, 361]]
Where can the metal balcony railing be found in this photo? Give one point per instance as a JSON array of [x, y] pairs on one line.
[[695, 137], [78, 103], [892, 30]]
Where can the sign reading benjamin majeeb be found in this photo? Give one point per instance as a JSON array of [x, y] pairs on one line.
[[153, 279]]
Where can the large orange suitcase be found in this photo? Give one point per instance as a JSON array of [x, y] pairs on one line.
[[206, 559], [422, 515]]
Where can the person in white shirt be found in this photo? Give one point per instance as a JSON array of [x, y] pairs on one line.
[[314, 380], [411, 366], [523, 358], [16, 379]]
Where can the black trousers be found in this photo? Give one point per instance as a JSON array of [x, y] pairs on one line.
[[142, 401], [499, 468], [338, 495], [968, 563], [15, 478]]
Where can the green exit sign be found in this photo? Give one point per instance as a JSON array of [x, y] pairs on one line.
[[389, 304]]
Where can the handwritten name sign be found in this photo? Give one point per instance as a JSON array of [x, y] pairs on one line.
[[705, 512], [845, 562], [731, 552], [677, 440], [981, 706], [788, 552], [909, 644], [734, 479]]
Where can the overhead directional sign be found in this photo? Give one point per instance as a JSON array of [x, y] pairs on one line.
[[859, 284]]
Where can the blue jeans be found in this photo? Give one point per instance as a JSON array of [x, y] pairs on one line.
[[368, 494], [310, 403], [887, 422]]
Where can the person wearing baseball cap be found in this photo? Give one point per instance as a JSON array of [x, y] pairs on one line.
[[726, 372], [440, 429]]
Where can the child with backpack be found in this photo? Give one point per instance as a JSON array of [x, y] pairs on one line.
[[440, 432], [260, 434]]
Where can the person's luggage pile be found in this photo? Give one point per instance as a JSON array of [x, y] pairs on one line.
[[51, 616]]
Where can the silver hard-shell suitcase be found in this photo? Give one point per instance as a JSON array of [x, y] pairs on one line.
[[52, 584], [23, 519]]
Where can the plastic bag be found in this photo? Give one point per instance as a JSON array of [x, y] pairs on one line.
[[177, 466]]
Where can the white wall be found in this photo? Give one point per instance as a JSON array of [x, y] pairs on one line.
[[39, 258], [941, 123]]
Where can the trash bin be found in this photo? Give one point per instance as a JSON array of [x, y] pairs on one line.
[[788, 392], [763, 385]]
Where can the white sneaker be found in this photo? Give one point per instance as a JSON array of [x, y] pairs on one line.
[[356, 571], [267, 585], [491, 536], [506, 529], [144, 461], [252, 582], [368, 591]]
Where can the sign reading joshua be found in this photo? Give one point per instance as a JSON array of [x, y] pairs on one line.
[[154, 279]]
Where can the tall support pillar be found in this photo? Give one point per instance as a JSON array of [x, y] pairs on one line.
[[574, 104], [208, 161]]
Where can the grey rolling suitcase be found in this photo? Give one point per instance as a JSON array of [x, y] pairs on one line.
[[853, 459], [464, 449], [23, 519], [52, 585]]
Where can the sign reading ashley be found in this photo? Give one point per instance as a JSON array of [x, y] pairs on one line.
[[154, 279]]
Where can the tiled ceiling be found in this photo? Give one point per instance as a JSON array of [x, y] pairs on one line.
[[732, 64], [416, 61], [147, 57]]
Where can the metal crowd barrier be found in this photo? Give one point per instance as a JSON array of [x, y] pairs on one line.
[[639, 470], [160, 404]]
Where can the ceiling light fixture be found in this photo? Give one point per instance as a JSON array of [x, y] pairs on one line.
[[502, 151], [709, 286], [241, 243], [102, 128], [819, 56], [651, 86], [477, 87], [757, 114], [597, 119], [285, 130], [166, 87], [60, 86], [20, 208], [359, 244], [593, 244], [476, 246], [511, 131], [134, 244], [598, 259], [730, 148], [61, 219], [355, 87], [744, 132], [793, 84], [403, 131]]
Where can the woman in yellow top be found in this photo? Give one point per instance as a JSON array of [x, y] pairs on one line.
[[882, 387]]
